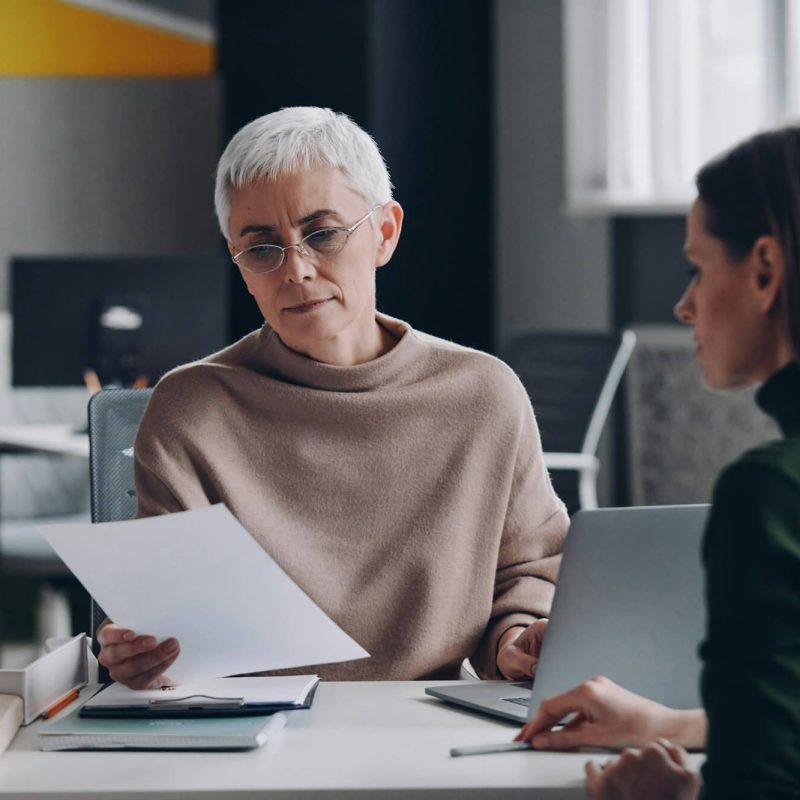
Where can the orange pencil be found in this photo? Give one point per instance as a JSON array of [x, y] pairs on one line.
[[62, 703]]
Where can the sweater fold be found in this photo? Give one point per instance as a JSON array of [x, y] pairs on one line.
[[406, 496]]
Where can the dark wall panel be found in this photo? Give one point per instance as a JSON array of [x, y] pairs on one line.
[[650, 272], [431, 111], [417, 75]]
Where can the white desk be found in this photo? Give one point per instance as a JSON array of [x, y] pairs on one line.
[[360, 740], [57, 439]]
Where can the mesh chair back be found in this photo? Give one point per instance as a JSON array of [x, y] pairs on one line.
[[114, 417], [564, 375], [680, 434]]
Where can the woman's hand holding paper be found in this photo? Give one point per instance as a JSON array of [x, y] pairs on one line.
[[137, 661]]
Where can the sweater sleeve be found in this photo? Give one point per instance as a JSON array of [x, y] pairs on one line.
[[751, 653], [530, 548], [165, 478], [153, 496]]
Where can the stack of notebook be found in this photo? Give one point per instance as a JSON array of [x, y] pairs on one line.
[[223, 714]]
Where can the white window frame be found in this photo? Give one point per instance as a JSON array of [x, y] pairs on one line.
[[641, 77]]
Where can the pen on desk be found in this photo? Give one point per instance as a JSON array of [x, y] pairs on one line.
[[479, 750], [60, 704]]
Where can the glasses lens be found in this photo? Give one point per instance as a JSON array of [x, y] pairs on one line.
[[327, 241], [261, 258]]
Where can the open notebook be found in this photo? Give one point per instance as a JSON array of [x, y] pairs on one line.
[[219, 697]]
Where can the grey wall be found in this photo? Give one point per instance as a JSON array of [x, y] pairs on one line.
[[106, 167], [650, 272], [553, 271]]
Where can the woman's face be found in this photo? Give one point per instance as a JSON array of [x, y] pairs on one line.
[[324, 308], [736, 329]]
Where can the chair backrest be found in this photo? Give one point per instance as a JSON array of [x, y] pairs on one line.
[[571, 378], [114, 417], [680, 434]]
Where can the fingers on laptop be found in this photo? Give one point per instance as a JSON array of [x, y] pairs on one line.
[[519, 656], [550, 712], [607, 716]]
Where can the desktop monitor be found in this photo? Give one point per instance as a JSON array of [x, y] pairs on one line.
[[123, 318]]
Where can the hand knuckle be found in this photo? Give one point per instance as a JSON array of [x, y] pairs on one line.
[[591, 689]]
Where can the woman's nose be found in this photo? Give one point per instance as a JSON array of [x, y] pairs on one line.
[[684, 308], [298, 264]]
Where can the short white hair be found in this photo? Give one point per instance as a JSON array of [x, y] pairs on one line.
[[296, 139]]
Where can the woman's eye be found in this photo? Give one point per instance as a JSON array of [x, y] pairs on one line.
[[263, 251], [322, 235], [693, 272], [327, 241]]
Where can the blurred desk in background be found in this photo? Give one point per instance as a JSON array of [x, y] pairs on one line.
[[22, 551], [56, 439]]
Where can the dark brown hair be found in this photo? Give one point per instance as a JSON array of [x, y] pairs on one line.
[[753, 190]]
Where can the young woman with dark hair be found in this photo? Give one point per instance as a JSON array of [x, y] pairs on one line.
[[743, 301]]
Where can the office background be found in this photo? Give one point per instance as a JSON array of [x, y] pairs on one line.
[[114, 114]]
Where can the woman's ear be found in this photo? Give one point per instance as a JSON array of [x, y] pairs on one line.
[[389, 226], [767, 272]]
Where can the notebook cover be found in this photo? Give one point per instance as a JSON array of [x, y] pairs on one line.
[[75, 732]]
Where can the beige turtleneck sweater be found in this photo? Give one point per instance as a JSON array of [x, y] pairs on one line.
[[407, 495]]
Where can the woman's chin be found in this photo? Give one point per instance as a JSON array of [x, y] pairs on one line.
[[720, 381]]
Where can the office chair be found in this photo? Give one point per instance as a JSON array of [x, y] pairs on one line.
[[571, 379], [680, 434], [114, 417]]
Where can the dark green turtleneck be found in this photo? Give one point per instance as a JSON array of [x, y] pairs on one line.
[[751, 675]]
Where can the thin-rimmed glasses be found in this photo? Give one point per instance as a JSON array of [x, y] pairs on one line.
[[261, 259]]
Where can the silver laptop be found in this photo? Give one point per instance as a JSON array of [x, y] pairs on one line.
[[628, 605]]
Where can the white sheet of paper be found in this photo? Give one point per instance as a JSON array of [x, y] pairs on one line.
[[201, 577]]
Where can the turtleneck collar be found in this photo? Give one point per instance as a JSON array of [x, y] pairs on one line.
[[780, 398], [299, 369]]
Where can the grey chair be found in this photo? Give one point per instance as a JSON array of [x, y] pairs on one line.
[[114, 417], [571, 378], [680, 434]]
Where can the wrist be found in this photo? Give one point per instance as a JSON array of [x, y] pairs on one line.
[[507, 637], [686, 727]]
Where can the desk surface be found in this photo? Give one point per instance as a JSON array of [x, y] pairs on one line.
[[58, 439], [360, 740]]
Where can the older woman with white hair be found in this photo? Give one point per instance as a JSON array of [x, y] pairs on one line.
[[396, 477]]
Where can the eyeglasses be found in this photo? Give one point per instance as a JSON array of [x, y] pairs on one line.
[[261, 259]]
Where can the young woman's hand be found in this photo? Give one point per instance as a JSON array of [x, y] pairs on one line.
[[606, 715], [658, 772]]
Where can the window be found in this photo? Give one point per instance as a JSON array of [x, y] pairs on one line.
[[654, 88]]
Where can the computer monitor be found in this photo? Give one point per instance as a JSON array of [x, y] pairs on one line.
[[124, 318]]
